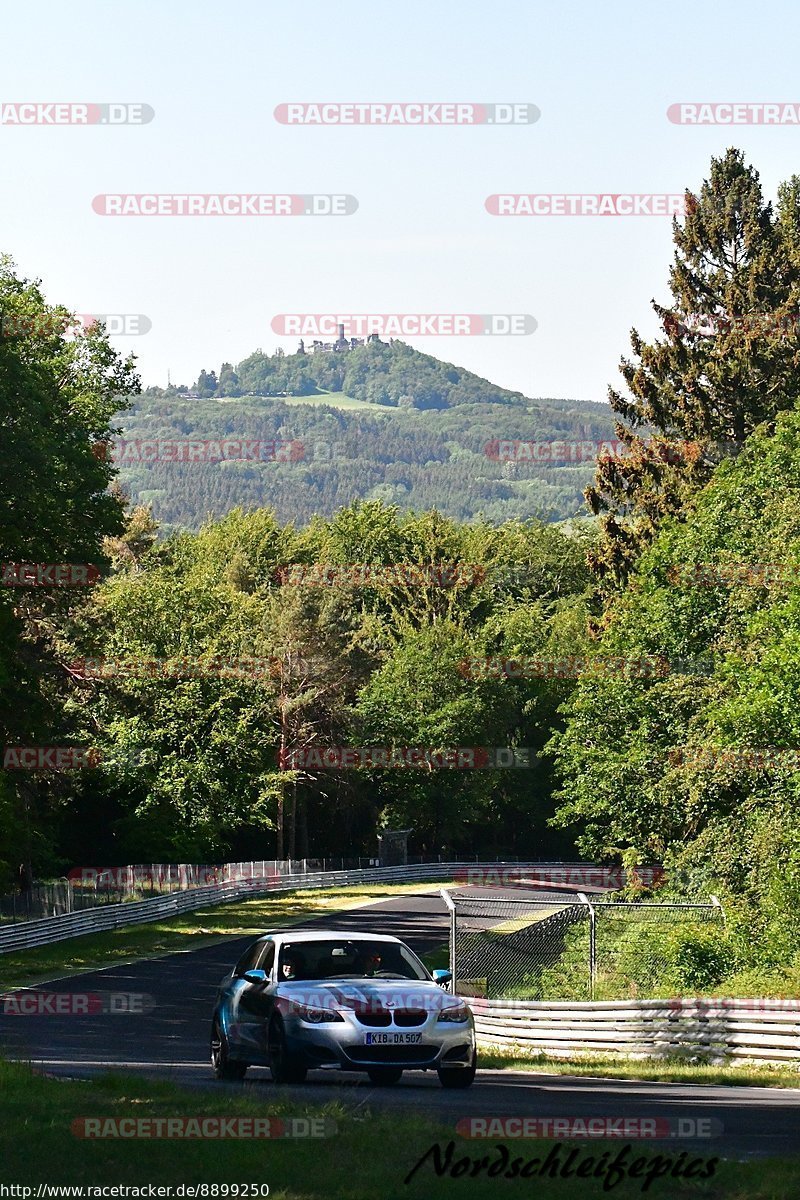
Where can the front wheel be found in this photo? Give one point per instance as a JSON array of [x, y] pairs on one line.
[[385, 1076], [223, 1066], [285, 1066], [458, 1077]]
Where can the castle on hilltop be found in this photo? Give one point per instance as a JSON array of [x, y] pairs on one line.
[[341, 343]]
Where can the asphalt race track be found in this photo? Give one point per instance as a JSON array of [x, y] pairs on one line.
[[171, 1041]]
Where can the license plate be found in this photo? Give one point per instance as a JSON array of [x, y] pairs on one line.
[[393, 1039]]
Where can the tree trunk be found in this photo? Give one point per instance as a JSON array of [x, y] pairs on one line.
[[303, 825], [279, 853], [293, 823], [26, 867], [279, 827]]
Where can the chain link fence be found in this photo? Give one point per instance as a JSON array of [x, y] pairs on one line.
[[580, 949], [41, 900]]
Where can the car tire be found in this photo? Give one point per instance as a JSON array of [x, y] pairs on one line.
[[223, 1066], [284, 1066], [458, 1077], [385, 1076]]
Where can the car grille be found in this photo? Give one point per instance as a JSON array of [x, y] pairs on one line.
[[380, 1018], [376, 1018], [419, 1055], [406, 1017]]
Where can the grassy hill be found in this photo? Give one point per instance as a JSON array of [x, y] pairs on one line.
[[392, 374]]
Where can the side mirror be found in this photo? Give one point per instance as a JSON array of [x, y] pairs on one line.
[[442, 977], [255, 976]]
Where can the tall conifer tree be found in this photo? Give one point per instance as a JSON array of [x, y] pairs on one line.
[[729, 359]]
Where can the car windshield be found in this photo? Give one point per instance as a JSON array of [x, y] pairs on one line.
[[347, 960]]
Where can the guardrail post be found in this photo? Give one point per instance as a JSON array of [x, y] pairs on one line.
[[448, 899], [592, 942]]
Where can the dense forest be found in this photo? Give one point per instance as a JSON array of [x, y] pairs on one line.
[[638, 671], [430, 459]]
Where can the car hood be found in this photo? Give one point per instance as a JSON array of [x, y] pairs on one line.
[[367, 994]]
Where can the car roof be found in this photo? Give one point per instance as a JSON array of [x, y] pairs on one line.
[[328, 935]]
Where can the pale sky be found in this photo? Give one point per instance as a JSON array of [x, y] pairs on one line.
[[421, 241]]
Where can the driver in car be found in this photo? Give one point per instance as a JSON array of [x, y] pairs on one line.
[[290, 967], [370, 964]]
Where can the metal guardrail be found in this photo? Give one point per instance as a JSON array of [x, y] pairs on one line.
[[26, 934], [86, 887], [713, 1031]]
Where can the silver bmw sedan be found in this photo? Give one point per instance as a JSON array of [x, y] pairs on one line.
[[308, 1000]]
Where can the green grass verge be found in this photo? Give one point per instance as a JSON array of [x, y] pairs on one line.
[[333, 399], [368, 1158], [338, 400], [616, 1067], [186, 932]]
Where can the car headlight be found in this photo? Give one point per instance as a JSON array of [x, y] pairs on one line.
[[456, 1012], [316, 1016]]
